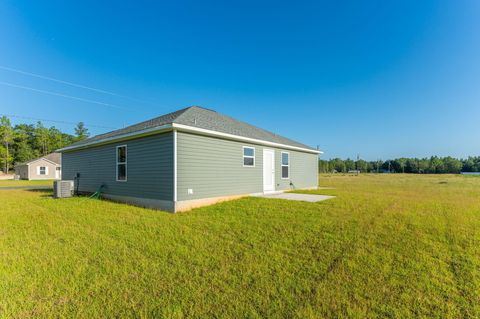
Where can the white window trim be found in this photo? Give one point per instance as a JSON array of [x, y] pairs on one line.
[[117, 163], [246, 156], [40, 170], [282, 165]]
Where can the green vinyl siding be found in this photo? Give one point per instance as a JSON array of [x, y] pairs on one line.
[[209, 166], [149, 168], [213, 167], [303, 170]]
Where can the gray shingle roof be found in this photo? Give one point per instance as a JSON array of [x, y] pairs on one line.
[[158, 121], [53, 157], [199, 117]]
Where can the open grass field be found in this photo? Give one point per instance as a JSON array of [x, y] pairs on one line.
[[394, 246]]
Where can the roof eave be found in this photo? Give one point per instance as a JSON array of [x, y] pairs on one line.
[[186, 128], [36, 160], [118, 138]]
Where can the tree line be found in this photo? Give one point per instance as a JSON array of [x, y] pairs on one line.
[[432, 165], [24, 142]]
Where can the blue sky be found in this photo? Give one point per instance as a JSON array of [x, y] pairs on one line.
[[381, 79]]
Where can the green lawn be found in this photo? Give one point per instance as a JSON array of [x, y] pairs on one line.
[[9, 183], [393, 246]]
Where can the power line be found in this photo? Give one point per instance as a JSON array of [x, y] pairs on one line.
[[63, 95], [81, 86], [55, 121]]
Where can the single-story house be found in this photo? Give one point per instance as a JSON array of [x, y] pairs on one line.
[[188, 158], [45, 167]]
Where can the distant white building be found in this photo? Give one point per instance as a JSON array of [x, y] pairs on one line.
[[46, 167]]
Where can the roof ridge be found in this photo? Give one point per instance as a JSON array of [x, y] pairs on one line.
[[180, 111], [200, 118], [184, 117], [243, 123], [183, 114]]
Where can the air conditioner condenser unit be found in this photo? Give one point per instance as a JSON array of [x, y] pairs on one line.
[[62, 189]]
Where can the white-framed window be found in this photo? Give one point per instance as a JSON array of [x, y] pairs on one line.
[[285, 165], [42, 170], [122, 163], [248, 156]]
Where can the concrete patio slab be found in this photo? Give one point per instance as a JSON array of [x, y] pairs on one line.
[[300, 197]]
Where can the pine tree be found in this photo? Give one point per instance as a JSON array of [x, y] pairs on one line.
[[81, 131], [6, 135]]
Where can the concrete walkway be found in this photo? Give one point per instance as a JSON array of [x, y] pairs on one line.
[[299, 197]]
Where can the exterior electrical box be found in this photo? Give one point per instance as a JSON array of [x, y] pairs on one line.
[[62, 189]]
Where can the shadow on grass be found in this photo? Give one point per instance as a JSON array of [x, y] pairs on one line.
[[45, 192], [40, 190]]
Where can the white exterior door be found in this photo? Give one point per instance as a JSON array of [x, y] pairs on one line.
[[268, 170]]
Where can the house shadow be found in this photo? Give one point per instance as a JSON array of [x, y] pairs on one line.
[[44, 192]]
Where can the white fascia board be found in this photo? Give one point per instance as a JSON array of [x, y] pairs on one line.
[[175, 166], [38, 159], [123, 137], [187, 128]]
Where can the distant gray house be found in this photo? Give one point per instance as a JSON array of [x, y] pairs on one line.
[[188, 158], [45, 167]]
